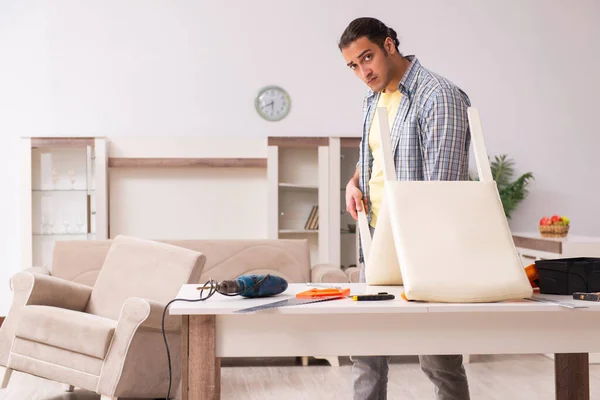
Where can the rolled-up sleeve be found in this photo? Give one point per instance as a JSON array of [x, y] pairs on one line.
[[445, 137]]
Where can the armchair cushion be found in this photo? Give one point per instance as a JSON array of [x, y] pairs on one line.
[[66, 329], [138, 268], [54, 355]]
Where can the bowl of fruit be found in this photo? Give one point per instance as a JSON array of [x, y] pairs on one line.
[[554, 226]]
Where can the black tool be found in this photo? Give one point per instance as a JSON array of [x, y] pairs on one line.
[[587, 296], [371, 297], [251, 286]]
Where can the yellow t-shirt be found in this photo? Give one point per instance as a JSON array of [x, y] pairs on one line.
[[390, 101]]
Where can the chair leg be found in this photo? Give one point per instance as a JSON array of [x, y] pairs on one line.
[[69, 388], [5, 377]]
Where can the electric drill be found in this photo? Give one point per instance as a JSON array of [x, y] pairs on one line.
[[264, 285]]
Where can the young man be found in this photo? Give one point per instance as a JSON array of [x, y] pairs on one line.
[[427, 115]]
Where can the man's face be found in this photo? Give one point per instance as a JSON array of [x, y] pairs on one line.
[[369, 62]]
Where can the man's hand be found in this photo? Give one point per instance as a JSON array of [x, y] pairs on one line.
[[354, 200]]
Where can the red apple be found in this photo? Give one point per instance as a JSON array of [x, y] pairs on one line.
[[555, 219], [545, 221]]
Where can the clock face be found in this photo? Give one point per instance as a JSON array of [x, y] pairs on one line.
[[272, 103]]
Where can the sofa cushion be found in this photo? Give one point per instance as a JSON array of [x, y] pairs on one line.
[[228, 259], [67, 329], [81, 260]]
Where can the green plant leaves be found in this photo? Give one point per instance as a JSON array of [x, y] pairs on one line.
[[512, 192]]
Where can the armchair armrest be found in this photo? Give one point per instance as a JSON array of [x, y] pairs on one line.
[[35, 270], [136, 313], [133, 313], [353, 274], [38, 270], [35, 289], [154, 320], [38, 289], [327, 273]]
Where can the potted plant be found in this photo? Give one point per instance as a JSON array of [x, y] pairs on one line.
[[512, 191]]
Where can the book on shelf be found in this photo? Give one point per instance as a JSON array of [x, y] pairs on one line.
[[312, 223]]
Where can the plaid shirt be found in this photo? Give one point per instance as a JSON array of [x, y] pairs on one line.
[[430, 133]]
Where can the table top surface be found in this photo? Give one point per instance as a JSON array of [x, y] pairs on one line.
[[219, 304]]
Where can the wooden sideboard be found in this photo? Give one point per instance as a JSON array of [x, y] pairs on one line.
[[532, 246]]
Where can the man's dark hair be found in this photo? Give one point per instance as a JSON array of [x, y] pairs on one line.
[[371, 28]]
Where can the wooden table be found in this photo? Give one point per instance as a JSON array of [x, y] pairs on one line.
[[212, 330]]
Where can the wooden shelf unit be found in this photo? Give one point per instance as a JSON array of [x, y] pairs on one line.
[[306, 171]]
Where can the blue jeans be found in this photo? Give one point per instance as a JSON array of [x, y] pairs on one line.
[[446, 372]]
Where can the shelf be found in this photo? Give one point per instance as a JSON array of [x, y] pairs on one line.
[[126, 162], [61, 142], [298, 231], [63, 234], [284, 141], [61, 190], [298, 186]]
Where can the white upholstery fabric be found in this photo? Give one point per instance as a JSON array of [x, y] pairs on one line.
[[67, 329], [452, 239], [381, 261], [465, 252]]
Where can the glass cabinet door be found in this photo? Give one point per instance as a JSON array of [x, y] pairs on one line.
[[63, 194]]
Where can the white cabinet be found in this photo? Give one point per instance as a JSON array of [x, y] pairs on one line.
[[298, 176], [307, 178], [64, 194]]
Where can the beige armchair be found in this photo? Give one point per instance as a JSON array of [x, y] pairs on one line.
[[96, 338]]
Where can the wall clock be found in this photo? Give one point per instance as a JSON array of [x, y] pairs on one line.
[[272, 103]]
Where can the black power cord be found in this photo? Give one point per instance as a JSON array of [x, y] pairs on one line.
[[213, 287]]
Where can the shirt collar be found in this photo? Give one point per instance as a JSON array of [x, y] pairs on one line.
[[409, 80]]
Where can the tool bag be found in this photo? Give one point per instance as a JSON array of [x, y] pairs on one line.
[[451, 239]]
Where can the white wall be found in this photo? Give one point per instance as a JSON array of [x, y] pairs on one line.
[[188, 203], [193, 67]]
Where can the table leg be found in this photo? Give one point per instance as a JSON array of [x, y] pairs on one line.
[[185, 330], [572, 376], [204, 368]]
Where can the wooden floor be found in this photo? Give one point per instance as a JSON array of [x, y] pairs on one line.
[[529, 377]]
